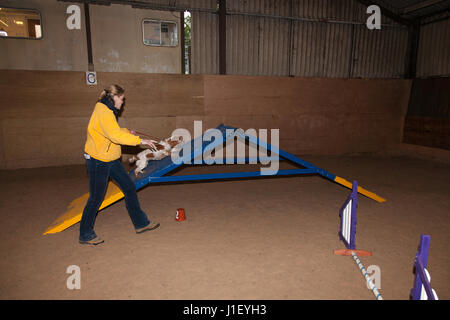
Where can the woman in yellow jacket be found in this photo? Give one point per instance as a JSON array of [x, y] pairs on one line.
[[102, 153]]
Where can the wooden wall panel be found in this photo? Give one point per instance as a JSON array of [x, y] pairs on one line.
[[316, 116], [45, 113]]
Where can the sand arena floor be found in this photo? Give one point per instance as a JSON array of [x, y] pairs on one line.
[[258, 238]]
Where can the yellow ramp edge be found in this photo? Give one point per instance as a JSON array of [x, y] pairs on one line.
[[113, 194], [363, 191], [75, 209]]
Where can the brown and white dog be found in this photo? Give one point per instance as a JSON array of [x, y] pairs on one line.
[[164, 148]]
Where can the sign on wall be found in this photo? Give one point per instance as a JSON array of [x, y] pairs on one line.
[[91, 78]]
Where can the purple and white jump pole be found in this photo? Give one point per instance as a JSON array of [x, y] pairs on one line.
[[422, 288], [347, 232]]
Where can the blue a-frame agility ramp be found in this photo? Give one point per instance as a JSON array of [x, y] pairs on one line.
[[157, 170]]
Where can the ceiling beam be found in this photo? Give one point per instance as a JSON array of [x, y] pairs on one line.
[[387, 13], [432, 14], [420, 5], [142, 5], [99, 2], [436, 20]]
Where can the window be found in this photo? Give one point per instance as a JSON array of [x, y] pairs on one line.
[[20, 23], [160, 33]]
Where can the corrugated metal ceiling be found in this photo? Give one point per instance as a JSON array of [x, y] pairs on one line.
[[406, 9], [415, 9], [169, 5], [317, 38]]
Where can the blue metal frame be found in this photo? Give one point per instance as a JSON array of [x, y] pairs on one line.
[[157, 169], [288, 156]]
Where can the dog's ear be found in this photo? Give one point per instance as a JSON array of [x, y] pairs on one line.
[[174, 143]]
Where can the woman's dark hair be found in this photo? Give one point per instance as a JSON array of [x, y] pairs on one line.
[[112, 90]]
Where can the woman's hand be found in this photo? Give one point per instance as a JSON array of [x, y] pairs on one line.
[[150, 143]]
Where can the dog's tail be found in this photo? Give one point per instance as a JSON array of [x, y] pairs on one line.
[[132, 159]]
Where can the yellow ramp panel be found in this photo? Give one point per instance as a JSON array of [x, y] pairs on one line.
[[363, 191], [75, 209]]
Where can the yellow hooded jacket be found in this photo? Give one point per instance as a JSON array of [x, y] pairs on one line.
[[104, 136]]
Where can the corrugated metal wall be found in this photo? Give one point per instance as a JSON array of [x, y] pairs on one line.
[[380, 54], [205, 38], [286, 38], [434, 50], [257, 46], [205, 43], [321, 50]]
